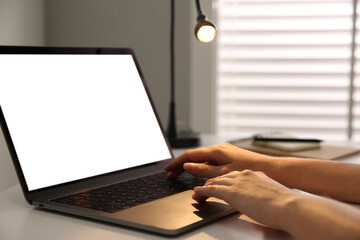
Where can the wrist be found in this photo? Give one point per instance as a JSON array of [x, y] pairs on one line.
[[267, 164], [276, 168], [285, 208]]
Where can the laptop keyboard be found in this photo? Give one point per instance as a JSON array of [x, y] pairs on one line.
[[124, 195]]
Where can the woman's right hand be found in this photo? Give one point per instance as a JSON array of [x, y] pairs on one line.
[[251, 193], [216, 160]]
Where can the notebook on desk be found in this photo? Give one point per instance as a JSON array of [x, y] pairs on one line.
[[318, 150], [85, 139]]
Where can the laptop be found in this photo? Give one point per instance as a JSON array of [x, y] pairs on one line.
[[85, 139]]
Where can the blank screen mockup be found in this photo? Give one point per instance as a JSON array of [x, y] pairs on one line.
[[77, 116]]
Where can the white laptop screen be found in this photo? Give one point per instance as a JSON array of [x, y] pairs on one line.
[[76, 116]]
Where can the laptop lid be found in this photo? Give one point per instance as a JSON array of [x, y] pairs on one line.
[[70, 114]]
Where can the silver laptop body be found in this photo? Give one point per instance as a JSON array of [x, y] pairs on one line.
[[76, 119]]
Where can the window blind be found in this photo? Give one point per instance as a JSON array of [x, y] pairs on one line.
[[285, 65]]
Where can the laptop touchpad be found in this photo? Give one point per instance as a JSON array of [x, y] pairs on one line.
[[174, 213]]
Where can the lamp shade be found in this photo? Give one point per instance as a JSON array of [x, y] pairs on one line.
[[205, 30]]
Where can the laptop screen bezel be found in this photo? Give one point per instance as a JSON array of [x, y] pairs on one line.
[[68, 50]]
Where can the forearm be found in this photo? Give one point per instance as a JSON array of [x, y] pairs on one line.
[[311, 217], [334, 179]]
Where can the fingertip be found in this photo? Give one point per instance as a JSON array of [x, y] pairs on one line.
[[166, 168], [199, 198], [209, 180], [169, 167], [175, 173], [172, 175], [189, 167]]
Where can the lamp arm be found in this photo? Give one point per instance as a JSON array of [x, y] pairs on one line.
[[172, 131], [201, 15], [172, 51]]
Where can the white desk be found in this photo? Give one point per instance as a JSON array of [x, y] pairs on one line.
[[19, 221]]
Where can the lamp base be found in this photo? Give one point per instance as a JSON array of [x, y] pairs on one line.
[[185, 141]]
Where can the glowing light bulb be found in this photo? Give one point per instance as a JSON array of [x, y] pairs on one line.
[[206, 33]]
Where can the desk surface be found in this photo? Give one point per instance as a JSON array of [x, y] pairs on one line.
[[21, 221]]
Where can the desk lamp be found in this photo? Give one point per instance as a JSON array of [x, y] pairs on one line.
[[205, 31]]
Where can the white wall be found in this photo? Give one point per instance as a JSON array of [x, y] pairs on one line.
[[143, 25], [21, 23], [203, 77]]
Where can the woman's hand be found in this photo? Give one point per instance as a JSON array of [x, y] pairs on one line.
[[251, 193], [216, 160], [304, 216]]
